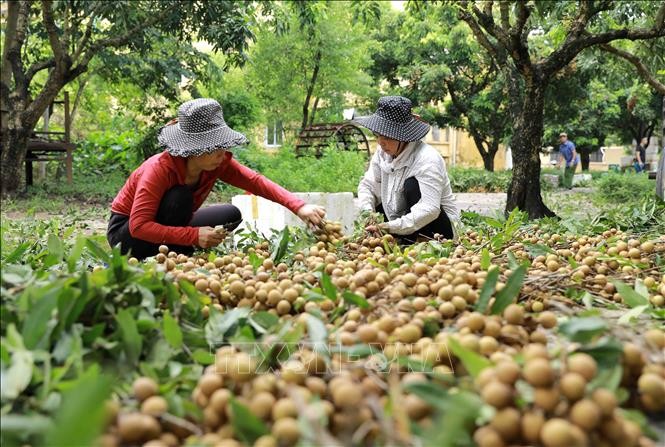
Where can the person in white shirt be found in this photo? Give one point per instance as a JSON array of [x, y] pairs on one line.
[[407, 180]]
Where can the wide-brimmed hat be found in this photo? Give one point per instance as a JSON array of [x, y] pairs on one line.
[[393, 119], [200, 129]]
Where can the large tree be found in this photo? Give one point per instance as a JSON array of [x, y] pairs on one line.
[[431, 57], [61, 39], [305, 64], [503, 29]]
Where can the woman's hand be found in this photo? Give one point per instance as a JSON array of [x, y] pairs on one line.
[[312, 215], [209, 237], [378, 228]]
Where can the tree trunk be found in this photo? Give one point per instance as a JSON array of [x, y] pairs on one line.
[[490, 155], [488, 162], [14, 148], [310, 89], [524, 189]]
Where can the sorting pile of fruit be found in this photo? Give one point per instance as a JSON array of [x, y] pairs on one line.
[[391, 334]]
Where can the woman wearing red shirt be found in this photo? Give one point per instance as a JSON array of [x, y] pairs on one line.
[[159, 203]]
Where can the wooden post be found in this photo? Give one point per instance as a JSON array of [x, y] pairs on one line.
[[69, 158]]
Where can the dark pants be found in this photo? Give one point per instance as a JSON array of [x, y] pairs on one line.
[[441, 225], [175, 210]]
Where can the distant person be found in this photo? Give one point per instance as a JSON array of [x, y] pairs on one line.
[[407, 180], [640, 154], [569, 156], [160, 202]]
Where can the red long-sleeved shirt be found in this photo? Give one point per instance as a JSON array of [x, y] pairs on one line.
[[141, 195]]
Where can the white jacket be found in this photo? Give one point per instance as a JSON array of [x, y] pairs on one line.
[[383, 183]]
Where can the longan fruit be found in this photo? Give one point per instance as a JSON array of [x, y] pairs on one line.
[[507, 423], [261, 404], [585, 414], [546, 398], [284, 408], [532, 424], [347, 395], [409, 333], [514, 314], [286, 431], [497, 394], [487, 437], [154, 406], [547, 319], [556, 432], [655, 338], [367, 333], [538, 372], [144, 387], [209, 383], [266, 441], [416, 408], [220, 399], [572, 386], [294, 371], [583, 364], [507, 372], [652, 385], [475, 322], [606, 401]]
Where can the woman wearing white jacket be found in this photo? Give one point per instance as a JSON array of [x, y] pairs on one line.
[[407, 180]]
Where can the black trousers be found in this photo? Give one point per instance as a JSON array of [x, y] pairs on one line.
[[175, 210], [441, 225]]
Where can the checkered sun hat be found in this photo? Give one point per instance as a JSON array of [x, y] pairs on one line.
[[200, 129], [393, 119]]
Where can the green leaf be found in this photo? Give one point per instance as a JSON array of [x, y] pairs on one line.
[[255, 261], [630, 296], [219, 324], [17, 377], [172, 331], [352, 298], [17, 253], [81, 408], [263, 321], [283, 244], [131, 339], [328, 287], [485, 259], [512, 261], [98, 252], [608, 378], [25, 424], [455, 420], [54, 245], [508, 294], [203, 357], [632, 313], [36, 324], [317, 333], [473, 362], [246, 425], [583, 330], [607, 352], [487, 290], [641, 289], [538, 249]]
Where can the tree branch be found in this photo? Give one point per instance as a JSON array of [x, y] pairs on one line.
[[571, 47], [641, 68], [81, 44], [37, 67], [59, 53], [14, 48]]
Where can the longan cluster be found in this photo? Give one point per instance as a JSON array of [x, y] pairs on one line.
[[416, 306], [565, 409]]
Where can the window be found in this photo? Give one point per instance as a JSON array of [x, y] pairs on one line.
[[436, 133], [274, 133]]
